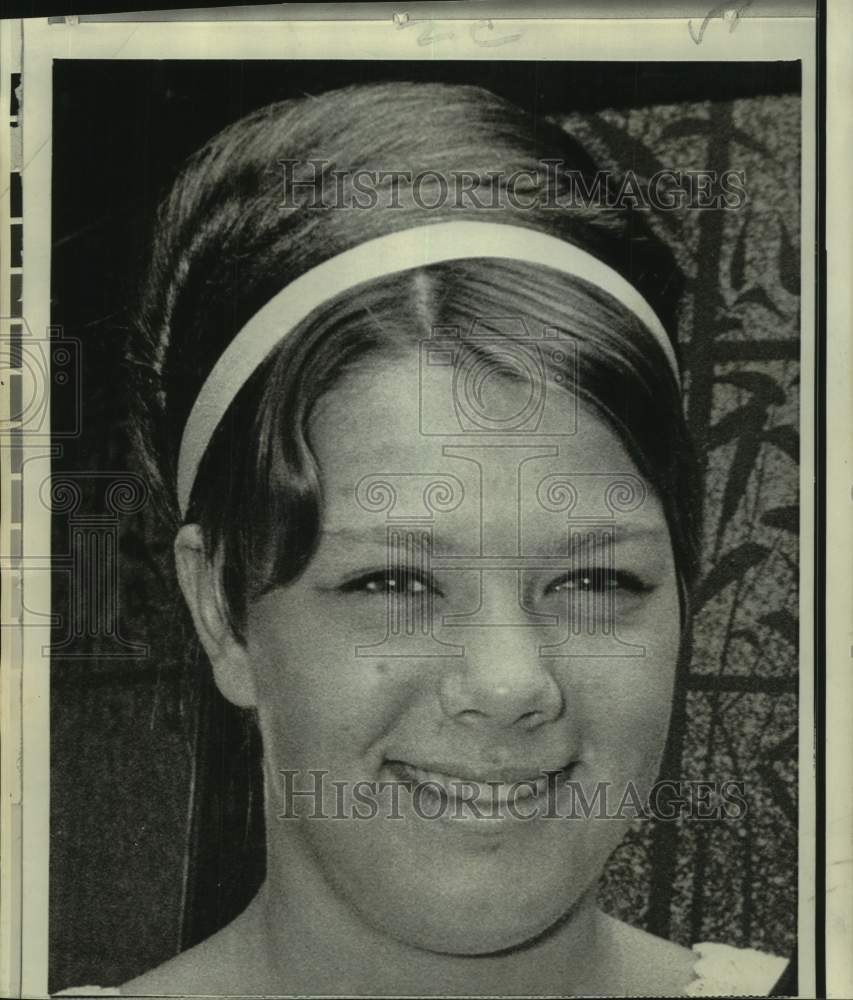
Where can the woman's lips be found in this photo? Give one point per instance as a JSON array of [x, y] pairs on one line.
[[481, 789]]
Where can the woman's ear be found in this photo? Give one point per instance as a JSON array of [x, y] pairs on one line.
[[199, 582]]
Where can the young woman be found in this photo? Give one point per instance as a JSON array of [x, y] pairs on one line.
[[417, 413]]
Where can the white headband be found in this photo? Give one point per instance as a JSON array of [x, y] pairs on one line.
[[393, 253]]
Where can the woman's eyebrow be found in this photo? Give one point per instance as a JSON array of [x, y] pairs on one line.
[[376, 534], [593, 536]]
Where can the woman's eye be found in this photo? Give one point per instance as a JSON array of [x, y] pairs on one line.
[[594, 580], [408, 584]]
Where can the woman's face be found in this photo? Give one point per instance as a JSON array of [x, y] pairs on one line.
[[451, 641]]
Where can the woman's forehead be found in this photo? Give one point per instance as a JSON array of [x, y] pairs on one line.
[[447, 388], [388, 426]]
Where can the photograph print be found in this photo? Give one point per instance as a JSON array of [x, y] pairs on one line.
[[425, 527]]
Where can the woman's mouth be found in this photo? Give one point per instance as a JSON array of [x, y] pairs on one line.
[[458, 793]]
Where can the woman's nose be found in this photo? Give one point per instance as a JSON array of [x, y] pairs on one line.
[[502, 680]]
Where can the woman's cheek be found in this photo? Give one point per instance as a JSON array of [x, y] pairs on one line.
[[624, 708], [318, 701]]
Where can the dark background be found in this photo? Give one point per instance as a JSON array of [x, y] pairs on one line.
[[154, 805]]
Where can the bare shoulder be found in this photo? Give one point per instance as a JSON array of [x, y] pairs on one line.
[[196, 971], [654, 966], [224, 964]]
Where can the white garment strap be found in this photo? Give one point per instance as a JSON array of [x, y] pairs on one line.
[[435, 243]]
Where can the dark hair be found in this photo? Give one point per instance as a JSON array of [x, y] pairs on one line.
[[225, 245]]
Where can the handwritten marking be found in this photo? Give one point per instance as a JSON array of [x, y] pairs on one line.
[[731, 15], [430, 35], [491, 42]]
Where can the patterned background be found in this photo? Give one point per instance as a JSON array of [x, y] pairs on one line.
[[135, 872], [736, 713]]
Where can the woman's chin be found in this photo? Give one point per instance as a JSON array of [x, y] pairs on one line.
[[466, 891], [468, 916], [464, 934]]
